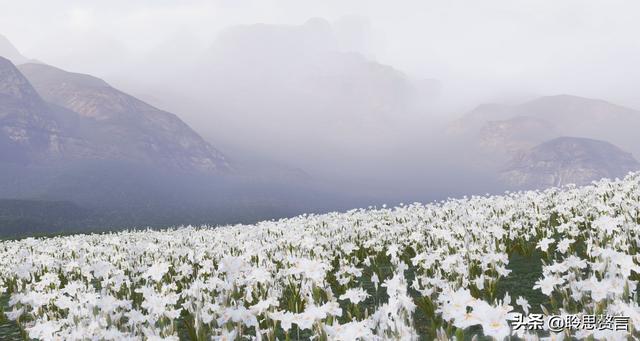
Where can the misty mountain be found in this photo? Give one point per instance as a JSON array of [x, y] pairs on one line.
[[530, 140], [514, 134], [29, 129], [567, 160], [8, 51], [127, 128], [300, 73], [67, 137], [554, 116], [293, 92], [82, 117], [91, 143]]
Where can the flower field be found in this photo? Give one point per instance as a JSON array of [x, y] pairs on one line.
[[458, 269]]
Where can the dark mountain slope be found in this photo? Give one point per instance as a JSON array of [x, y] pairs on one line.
[[27, 127], [130, 129]]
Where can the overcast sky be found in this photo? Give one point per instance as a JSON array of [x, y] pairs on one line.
[[583, 47]]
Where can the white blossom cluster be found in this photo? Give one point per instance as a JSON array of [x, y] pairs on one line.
[[410, 272]]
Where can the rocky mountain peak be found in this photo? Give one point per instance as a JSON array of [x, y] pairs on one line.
[[568, 160], [14, 86], [84, 94], [51, 115]]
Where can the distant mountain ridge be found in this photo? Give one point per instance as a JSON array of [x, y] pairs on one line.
[[568, 160], [551, 140], [52, 115], [566, 115]]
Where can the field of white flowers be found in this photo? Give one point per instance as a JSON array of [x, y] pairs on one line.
[[436, 271]]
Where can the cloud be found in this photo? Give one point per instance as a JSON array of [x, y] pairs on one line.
[[80, 19]]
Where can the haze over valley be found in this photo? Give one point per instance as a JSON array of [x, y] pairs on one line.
[[271, 114]]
